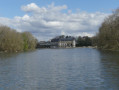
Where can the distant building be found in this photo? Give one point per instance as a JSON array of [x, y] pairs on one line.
[[63, 42], [44, 44], [58, 42]]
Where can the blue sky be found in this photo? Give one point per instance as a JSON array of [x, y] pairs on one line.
[[11, 8], [46, 19]]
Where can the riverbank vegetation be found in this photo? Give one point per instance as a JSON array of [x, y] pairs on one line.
[[108, 36], [84, 41], [13, 41]]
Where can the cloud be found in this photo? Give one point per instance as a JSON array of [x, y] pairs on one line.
[[30, 8], [48, 22]]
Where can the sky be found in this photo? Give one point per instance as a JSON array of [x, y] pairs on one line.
[[46, 19]]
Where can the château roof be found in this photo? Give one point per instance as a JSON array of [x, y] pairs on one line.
[[67, 38]]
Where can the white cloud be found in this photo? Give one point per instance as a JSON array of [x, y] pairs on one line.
[[47, 22], [30, 7]]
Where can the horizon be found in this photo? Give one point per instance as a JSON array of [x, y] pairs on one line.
[[47, 19]]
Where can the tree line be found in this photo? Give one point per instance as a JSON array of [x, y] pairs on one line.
[[13, 41], [108, 35], [83, 41]]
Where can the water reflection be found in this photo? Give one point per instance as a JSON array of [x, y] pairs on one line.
[[60, 69], [110, 69]]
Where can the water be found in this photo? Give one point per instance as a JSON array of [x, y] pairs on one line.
[[60, 69]]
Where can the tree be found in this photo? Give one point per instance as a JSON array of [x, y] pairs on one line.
[[108, 36], [84, 41], [12, 41], [29, 41]]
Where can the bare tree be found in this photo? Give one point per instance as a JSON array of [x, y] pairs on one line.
[[12, 41], [108, 36]]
